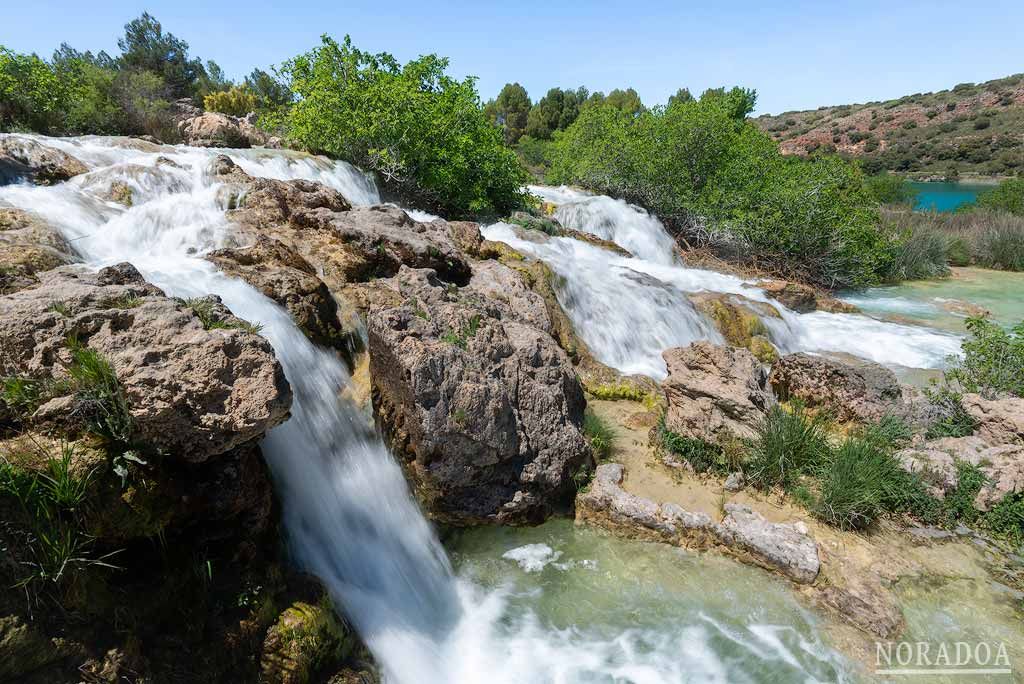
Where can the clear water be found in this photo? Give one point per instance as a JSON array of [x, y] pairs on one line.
[[943, 197], [349, 516]]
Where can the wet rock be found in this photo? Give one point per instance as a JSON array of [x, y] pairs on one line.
[[284, 276], [865, 604], [851, 388], [740, 321], [936, 462], [484, 407], [25, 159], [28, 245], [190, 391], [785, 547], [714, 393], [803, 298], [997, 421], [305, 638], [550, 226]]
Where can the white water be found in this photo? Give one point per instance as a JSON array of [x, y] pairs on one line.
[[629, 310], [348, 513]]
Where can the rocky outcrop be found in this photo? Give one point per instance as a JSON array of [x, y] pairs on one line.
[[997, 421], [853, 389], [714, 393], [936, 462], [740, 321], [783, 547], [484, 407], [803, 298], [25, 159], [284, 276], [344, 244], [190, 392], [28, 245], [213, 129], [865, 603], [304, 638]]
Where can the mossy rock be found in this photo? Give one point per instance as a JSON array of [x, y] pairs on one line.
[[305, 639], [740, 320], [23, 649]]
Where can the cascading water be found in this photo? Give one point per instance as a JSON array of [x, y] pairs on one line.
[[629, 310], [347, 510]]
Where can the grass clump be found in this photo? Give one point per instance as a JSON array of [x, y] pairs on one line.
[[98, 394], [461, 338], [600, 435], [788, 444], [204, 310]]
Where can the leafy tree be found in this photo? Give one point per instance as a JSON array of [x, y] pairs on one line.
[[145, 47], [236, 101], [556, 111], [627, 100], [889, 188], [682, 95], [32, 95], [510, 111], [270, 91], [423, 132], [212, 80]]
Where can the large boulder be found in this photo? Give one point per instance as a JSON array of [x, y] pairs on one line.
[[853, 389], [344, 244], [483, 406], [997, 421], [936, 461], [803, 298], [25, 159], [714, 393], [191, 392], [213, 129], [28, 245]]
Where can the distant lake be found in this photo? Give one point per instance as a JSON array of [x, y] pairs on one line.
[[945, 196]]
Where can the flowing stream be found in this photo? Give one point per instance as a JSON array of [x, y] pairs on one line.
[[529, 606]]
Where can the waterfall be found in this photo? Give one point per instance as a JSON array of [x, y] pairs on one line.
[[349, 516], [629, 310]]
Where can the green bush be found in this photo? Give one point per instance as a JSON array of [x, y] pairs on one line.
[[788, 444], [703, 456], [952, 419], [889, 188], [919, 252], [993, 359], [853, 485], [235, 101], [1007, 196], [419, 129]]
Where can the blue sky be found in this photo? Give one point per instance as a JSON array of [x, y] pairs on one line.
[[798, 55]]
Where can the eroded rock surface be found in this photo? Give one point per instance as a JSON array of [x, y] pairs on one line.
[[714, 393], [936, 461], [28, 245], [214, 129], [998, 421], [25, 159], [483, 406], [191, 392]]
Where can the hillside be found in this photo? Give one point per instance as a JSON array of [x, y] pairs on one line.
[[972, 129]]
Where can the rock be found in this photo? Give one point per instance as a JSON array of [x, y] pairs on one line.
[[936, 462], [714, 393], [497, 281], [867, 605], [740, 321], [550, 226], [284, 276], [852, 388], [213, 129], [735, 482], [997, 421], [191, 392], [23, 649], [25, 159], [781, 546], [305, 638], [342, 243], [803, 298], [28, 245], [484, 407]]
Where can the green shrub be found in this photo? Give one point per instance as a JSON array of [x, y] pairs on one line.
[[703, 456], [1007, 196], [599, 433], [993, 359], [999, 244], [98, 394], [419, 129], [788, 444], [853, 485], [235, 101], [952, 420], [919, 253], [889, 188]]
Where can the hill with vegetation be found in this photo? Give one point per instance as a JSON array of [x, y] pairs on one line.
[[972, 129]]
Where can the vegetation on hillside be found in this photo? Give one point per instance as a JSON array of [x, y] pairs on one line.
[[970, 129]]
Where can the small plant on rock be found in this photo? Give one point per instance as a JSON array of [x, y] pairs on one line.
[[600, 435]]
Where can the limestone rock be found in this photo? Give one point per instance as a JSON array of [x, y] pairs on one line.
[[714, 393], [739, 319], [785, 547], [191, 392], [998, 421], [935, 461], [803, 298], [28, 245], [484, 406], [25, 159], [213, 129], [865, 604], [852, 388], [497, 281]]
